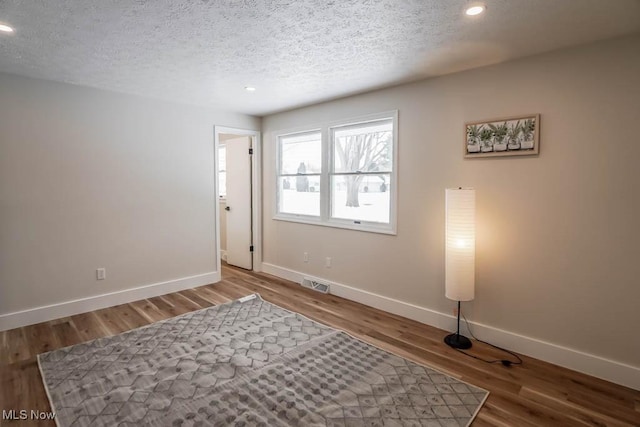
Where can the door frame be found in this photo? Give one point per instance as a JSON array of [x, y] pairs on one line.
[[256, 192]]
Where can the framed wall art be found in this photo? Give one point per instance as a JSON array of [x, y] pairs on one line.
[[510, 136]]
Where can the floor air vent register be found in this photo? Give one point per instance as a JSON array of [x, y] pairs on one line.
[[315, 284]]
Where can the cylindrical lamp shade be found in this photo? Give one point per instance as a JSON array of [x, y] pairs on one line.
[[460, 254]]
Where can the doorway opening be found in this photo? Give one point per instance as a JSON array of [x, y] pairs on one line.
[[238, 213]]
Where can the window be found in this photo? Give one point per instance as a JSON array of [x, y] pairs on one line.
[[342, 175], [222, 171], [361, 172], [299, 174]]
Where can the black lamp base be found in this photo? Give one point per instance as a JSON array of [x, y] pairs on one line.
[[457, 341]]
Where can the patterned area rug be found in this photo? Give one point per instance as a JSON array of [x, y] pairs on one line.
[[247, 363]]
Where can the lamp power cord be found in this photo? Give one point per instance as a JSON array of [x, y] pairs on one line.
[[504, 362]]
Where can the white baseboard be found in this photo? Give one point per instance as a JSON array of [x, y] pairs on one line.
[[83, 305], [223, 254], [610, 370]]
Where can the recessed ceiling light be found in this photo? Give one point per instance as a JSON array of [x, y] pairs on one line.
[[250, 88], [475, 10], [5, 28]]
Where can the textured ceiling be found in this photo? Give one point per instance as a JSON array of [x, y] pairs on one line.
[[295, 52]]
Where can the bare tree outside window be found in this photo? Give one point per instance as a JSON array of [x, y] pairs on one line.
[[340, 175], [363, 151]]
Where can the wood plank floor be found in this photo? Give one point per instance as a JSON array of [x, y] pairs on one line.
[[534, 394]]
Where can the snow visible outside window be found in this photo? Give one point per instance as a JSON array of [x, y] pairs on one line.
[[346, 179], [361, 175], [300, 168]]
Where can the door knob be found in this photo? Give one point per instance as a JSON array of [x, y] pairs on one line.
[[227, 208]]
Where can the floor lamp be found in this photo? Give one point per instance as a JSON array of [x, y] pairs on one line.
[[460, 253]]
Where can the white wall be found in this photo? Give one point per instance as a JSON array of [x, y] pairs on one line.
[[92, 179], [558, 234]]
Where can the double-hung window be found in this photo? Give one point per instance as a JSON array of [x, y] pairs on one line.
[[341, 175], [361, 169], [299, 173]]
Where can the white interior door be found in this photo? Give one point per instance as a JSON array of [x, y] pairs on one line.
[[238, 208]]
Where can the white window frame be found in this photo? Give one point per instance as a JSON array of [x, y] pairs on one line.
[[326, 132], [287, 216]]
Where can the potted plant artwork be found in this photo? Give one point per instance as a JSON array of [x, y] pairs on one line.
[[473, 138], [503, 136], [499, 136], [486, 136], [528, 128], [513, 136]]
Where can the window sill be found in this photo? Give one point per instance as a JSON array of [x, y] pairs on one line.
[[343, 224]]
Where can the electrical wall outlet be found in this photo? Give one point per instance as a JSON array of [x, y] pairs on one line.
[[327, 262], [101, 273], [305, 257]]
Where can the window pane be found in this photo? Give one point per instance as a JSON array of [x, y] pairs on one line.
[[301, 153], [300, 195], [222, 171], [365, 147], [222, 158], [361, 197], [222, 184]]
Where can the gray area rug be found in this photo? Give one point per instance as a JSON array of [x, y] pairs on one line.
[[246, 363]]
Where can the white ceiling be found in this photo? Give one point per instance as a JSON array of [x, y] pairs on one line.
[[295, 52]]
